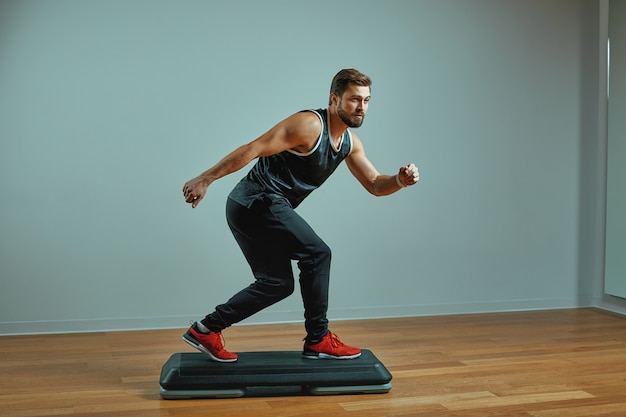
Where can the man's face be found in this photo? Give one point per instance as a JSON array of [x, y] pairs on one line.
[[352, 106]]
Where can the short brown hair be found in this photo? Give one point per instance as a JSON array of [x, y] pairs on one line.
[[346, 77]]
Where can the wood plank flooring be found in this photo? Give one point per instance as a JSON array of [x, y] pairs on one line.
[[566, 363]]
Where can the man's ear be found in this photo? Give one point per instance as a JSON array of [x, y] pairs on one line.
[[334, 98]]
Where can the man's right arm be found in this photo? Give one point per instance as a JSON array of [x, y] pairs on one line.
[[297, 131]]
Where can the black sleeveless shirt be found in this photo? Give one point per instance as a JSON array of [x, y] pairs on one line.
[[293, 175]]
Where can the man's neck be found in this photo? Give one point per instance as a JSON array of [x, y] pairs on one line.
[[336, 126]]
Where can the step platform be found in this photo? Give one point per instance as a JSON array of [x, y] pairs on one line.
[[193, 375]]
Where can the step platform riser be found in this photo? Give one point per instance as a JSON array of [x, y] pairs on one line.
[[194, 375]]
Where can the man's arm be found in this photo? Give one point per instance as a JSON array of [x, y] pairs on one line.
[[299, 131], [373, 181]]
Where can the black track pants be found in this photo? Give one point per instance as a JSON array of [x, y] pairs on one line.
[[270, 235]]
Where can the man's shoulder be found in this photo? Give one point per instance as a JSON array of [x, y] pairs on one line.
[[305, 122], [312, 115], [319, 112]]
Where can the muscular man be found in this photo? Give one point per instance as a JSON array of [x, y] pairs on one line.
[[294, 158]]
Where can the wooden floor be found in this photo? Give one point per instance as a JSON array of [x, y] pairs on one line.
[[542, 364]]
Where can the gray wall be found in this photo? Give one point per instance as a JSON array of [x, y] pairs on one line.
[[108, 107]]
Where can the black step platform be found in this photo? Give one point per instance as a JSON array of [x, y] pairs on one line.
[[194, 375]]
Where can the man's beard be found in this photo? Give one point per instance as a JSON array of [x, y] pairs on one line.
[[347, 120]]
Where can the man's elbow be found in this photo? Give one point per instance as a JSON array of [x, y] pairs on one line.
[[375, 189]]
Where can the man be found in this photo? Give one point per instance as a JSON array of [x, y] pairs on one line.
[[294, 158]]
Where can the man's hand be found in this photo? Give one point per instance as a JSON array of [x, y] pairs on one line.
[[194, 191], [408, 175]]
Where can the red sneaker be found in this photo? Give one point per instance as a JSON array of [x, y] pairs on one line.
[[212, 344], [330, 347]]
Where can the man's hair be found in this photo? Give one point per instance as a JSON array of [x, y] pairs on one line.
[[344, 78]]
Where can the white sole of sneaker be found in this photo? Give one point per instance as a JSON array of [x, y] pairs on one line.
[[327, 356], [206, 351]]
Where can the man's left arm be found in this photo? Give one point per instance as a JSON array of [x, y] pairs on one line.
[[373, 181]]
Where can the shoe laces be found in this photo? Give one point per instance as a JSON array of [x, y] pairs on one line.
[[222, 344], [334, 340], [218, 346]]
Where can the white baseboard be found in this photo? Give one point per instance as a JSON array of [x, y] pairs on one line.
[[271, 316]]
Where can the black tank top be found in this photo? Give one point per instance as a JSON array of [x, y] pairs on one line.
[[293, 175]]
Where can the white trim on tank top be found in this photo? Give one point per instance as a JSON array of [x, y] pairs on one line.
[[317, 143]]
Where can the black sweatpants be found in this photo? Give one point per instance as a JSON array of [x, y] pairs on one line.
[[271, 234]]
